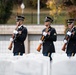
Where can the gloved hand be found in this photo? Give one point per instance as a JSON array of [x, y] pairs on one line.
[[65, 41], [69, 33], [44, 33], [11, 39], [40, 41], [15, 32]]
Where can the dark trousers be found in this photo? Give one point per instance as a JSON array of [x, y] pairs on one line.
[[18, 53], [48, 54]]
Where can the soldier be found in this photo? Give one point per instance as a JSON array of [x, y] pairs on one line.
[[71, 41], [20, 34], [50, 35]]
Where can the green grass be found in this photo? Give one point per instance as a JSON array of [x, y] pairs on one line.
[[31, 17]]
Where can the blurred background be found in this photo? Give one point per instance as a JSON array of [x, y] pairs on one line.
[[59, 10]]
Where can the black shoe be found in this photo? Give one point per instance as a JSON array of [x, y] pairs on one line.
[[50, 59]]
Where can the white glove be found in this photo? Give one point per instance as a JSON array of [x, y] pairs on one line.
[[69, 33], [11, 39], [44, 33], [15, 32], [40, 41], [65, 41]]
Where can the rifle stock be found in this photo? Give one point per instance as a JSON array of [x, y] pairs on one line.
[[10, 46], [64, 47], [39, 46]]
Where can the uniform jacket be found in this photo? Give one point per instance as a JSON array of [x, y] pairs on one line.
[[19, 41], [71, 45], [48, 45]]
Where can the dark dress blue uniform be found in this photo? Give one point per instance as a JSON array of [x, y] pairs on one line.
[[19, 47], [48, 45], [71, 44], [19, 41]]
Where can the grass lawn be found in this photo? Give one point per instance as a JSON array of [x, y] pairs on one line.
[[31, 16]]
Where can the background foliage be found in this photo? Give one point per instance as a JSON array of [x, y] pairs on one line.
[[58, 8], [5, 9]]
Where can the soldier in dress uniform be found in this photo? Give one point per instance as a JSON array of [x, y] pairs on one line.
[[50, 36], [71, 42], [20, 34]]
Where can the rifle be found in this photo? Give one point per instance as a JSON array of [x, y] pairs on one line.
[[42, 39], [67, 38], [14, 37], [10, 45], [64, 46], [39, 47]]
